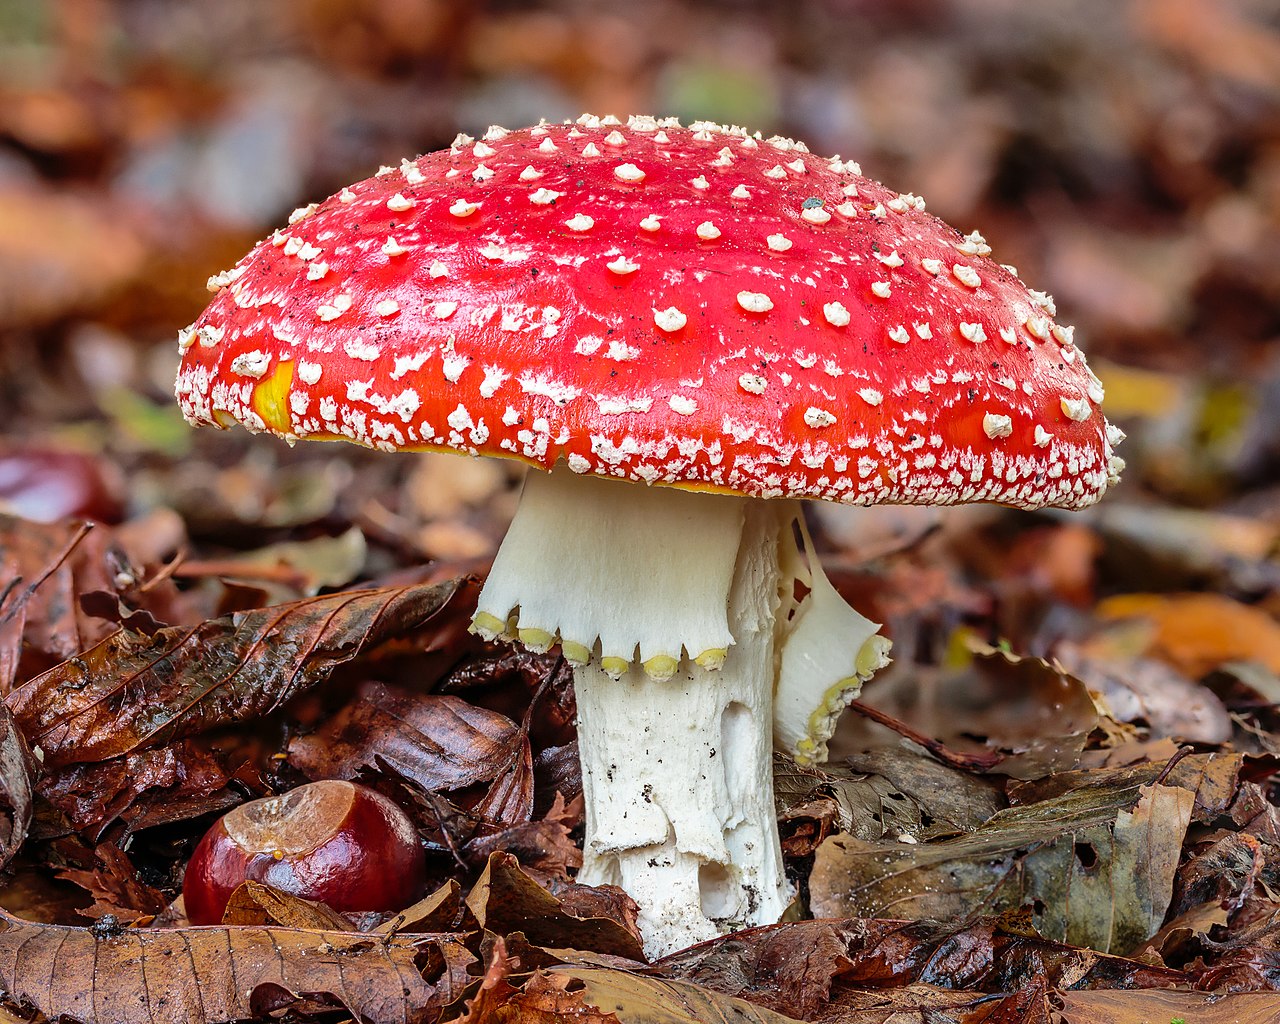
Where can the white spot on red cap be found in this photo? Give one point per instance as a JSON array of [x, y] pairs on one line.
[[835, 314], [1042, 437], [899, 334], [463, 208], [399, 203], [707, 231], [741, 192], [871, 396], [973, 332], [251, 364], [387, 307], [755, 302], [393, 248], [622, 265], [996, 425], [580, 222], [317, 270], [818, 418], [651, 223], [1037, 326], [700, 183], [629, 173], [752, 383], [815, 215], [444, 310], [346, 197], [779, 243], [530, 173], [547, 146], [329, 311], [669, 319], [1077, 409], [881, 289], [892, 260], [683, 405], [966, 275]]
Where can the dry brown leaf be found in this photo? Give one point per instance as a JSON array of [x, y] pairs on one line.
[[108, 975], [1098, 862], [636, 999], [1199, 632], [17, 769], [1160, 1007], [253, 903], [506, 900]]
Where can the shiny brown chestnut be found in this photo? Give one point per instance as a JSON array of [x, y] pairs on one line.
[[332, 841]]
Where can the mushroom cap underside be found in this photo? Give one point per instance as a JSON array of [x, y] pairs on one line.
[[693, 306]]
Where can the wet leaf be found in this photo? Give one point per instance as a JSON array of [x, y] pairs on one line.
[[436, 742], [107, 974], [143, 788], [131, 691]]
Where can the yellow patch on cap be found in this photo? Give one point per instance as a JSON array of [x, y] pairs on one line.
[[271, 398]]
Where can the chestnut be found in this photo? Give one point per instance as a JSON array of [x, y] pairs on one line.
[[334, 842]]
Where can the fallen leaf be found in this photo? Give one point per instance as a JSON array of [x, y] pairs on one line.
[[636, 999], [116, 889], [889, 793], [436, 742], [131, 691], [1030, 713], [1197, 633], [506, 900], [144, 787], [107, 974], [1098, 862], [1157, 1007], [544, 846], [252, 903], [16, 793]]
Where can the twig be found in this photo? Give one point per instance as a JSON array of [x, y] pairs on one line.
[[81, 532], [952, 758]]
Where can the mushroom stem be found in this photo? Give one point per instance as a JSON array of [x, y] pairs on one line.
[[678, 773], [692, 660]]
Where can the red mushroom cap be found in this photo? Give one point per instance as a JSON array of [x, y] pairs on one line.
[[689, 306]]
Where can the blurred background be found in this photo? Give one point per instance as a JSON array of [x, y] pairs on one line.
[[1123, 154]]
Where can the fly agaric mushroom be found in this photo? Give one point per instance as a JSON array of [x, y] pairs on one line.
[[642, 304]]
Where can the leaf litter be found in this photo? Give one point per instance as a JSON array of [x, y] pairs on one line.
[[1059, 806]]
